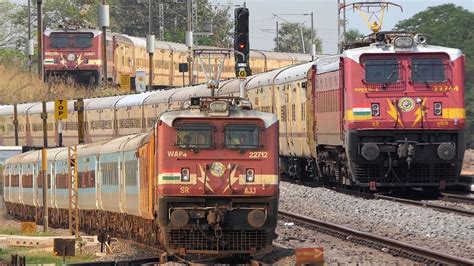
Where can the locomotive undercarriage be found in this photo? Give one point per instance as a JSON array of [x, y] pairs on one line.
[[377, 160], [82, 77], [404, 159], [217, 226]]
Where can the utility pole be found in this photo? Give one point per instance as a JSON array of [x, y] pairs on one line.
[[161, 19], [302, 39], [150, 46], [277, 37], [313, 45], [30, 46], [104, 23], [189, 40], [15, 123], [44, 168], [40, 38]]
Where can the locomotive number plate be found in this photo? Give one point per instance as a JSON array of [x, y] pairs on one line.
[[258, 154]]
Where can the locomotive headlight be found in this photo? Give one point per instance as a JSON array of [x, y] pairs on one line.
[[446, 151], [250, 175], [370, 151], [438, 108], [185, 176], [375, 109], [403, 42]]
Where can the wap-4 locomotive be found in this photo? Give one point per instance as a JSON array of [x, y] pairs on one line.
[[203, 181], [386, 115]]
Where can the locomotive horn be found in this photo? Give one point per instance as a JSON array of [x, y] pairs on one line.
[[421, 38]]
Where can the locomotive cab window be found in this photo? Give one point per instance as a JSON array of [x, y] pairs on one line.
[[59, 41], [242, 136], [194, 135], [381, 71], [83, 40], [429, 70]]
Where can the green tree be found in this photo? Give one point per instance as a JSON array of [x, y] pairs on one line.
[[451, 26], [132, 19], [290, 39], [9, 33], [353, 35]]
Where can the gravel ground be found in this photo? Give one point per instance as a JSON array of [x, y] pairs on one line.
[[446, 232], [336, 251], [121, 249]]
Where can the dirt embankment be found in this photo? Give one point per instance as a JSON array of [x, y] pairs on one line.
[[17, 86]]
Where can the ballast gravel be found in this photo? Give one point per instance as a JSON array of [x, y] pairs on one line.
[[445, 232]]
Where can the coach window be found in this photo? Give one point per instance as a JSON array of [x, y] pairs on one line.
[[381, 71], [194, 136], [242, 136], [429, 70]]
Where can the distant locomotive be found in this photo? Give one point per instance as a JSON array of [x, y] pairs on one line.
[[390, 114], [204, 181], [77, 53]]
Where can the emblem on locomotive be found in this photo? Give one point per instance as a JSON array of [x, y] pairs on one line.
[[217, 169], [406, 104]]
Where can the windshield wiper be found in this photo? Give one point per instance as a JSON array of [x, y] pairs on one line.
[[385, 83]]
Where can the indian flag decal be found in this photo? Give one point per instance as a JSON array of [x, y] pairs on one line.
[[361, 111], [49, 61]]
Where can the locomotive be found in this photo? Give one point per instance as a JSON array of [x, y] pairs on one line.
[[203, 181], [389, 114], [77, 53]]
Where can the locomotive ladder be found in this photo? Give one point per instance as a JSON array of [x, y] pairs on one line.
[[73, 190]]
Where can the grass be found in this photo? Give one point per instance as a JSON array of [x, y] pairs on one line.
[[18, 86], [34, 256], [17, 232]]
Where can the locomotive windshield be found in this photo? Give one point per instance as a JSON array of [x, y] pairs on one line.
[[429, 70], [60, 40], [242, 136], [194, 135], [381, 71]]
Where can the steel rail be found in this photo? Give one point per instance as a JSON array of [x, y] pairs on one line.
[[456, 198], [394, 247], [425, 204]]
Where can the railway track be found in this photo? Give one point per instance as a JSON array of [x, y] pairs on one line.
[[394, 247], [426, 205], [457, 198], [452, 197]]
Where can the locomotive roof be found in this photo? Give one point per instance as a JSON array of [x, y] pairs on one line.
[[82, 30], [355, 54], [267, 118]]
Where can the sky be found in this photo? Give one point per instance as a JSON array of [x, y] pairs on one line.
[[263, 19], [263, 22]]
